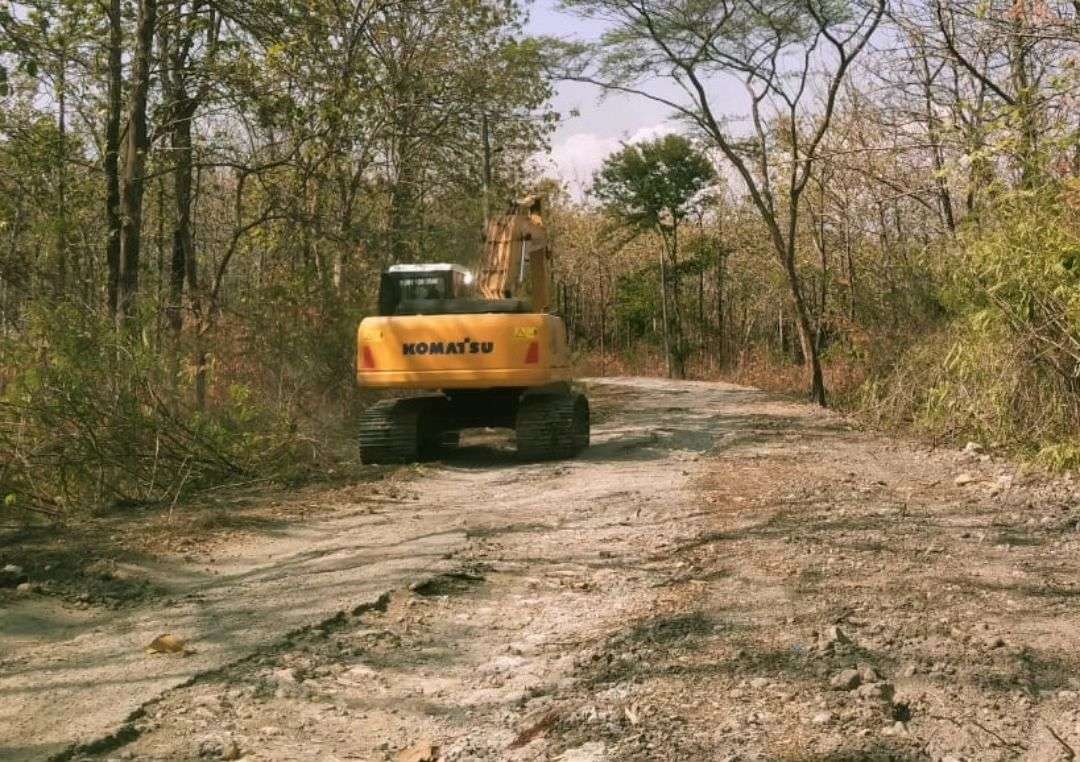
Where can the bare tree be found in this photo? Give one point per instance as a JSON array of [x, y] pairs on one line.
[[779, 49], [189, 28], [1013, 51], [112, 153]]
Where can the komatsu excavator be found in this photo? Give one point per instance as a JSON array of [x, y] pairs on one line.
[[486, 351]]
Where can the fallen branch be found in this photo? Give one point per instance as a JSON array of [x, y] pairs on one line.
[[1070, 753], [1001, 741]]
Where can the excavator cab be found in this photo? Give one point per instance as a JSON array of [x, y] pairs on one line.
[[415, 287], [512, 277], [440, 289]]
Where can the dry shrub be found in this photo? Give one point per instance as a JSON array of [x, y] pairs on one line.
[[968, 383], [646, 361], [761, 369], [92, 417]]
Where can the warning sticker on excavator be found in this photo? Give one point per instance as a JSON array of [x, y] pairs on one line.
[[525, 333]]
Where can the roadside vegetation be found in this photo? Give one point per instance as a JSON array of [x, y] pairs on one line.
[[196, 198], [894, 228]]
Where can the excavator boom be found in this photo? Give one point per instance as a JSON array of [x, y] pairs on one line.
[[516, 256]]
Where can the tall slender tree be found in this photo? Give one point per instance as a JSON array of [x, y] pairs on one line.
[[656, 185]]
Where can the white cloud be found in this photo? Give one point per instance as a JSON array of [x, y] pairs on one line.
[[575, 158]]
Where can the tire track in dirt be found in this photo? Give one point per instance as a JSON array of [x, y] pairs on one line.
[[568, 553]]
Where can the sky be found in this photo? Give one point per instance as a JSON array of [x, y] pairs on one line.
[[605, 122], [580, 143]]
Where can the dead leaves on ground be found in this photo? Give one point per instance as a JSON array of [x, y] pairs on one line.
[[169, 644], [535, 729]]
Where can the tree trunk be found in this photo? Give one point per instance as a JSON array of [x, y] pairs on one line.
[[201, 362], [721, 345], [603, 323], [181, 267], [945, 204], [485, 137], [818, 228], [664, 311], [112, 156], [680, 328], [781, 344], [1026, 110], [61, 180], [677, 341], [402, 207], [701, 327], [138, 143], [850, 260], [806, 331]]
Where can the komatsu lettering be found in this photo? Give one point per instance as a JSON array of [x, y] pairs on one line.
[[465, 347]]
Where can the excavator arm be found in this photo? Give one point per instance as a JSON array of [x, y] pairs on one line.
[[516, 259]]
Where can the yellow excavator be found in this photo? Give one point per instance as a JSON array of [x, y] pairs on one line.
[[486, 350]]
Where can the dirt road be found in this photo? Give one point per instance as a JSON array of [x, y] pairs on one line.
[[724, 575]]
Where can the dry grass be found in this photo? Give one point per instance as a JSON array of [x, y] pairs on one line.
[[762, 370]]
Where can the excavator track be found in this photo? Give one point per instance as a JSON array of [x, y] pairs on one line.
[[552, 426], [404, 430], [389, 433]]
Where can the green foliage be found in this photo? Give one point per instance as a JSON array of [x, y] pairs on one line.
[[654, 184], [1006, 371], [301, 146], [1061, 456], [637, 302], [1026, 267]]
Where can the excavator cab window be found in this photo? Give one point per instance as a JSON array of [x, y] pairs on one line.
[[411, 288], [437, 290], [398, 288], [426, 287]]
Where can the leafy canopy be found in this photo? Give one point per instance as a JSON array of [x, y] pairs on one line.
[[654, 184]]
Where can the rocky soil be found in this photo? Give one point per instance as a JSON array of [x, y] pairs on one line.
[[725, 575]]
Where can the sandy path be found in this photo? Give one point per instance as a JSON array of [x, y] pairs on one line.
[[83, 687], [724, 576]]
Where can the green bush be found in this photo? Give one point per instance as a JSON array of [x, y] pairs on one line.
[[1006, 368], [1027, 271], [637, 303]]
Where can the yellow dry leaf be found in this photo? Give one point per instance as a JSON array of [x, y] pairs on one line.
[[424, 751], [168, 644]]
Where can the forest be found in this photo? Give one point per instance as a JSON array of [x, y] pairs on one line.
[[197, 196]]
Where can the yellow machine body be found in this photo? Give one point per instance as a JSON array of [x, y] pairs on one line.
[[462, 351], [495, 357]]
